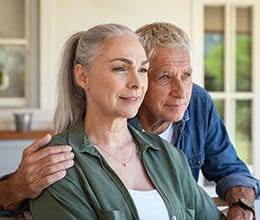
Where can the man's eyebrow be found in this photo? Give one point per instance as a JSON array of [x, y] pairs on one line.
[[125, 60]]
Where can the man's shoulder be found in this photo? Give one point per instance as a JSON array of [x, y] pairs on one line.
[[199, 93], [200, 104], [198, 90]]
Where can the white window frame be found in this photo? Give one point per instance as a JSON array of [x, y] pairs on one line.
[[197, 37], [30, 43]]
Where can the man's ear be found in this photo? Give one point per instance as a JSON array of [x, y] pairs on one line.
[[81, 76]]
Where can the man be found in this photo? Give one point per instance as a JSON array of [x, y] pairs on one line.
[[184, 114], [177, 110]]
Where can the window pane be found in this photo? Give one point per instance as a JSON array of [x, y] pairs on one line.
[[214, 48], [12, 71], [243, 49], [219, 104], [243, 130], [12, 22]]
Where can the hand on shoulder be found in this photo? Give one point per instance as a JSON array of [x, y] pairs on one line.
[[39, 168]]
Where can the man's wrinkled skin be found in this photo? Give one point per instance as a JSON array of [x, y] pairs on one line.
[[39, 168], [236, 212]]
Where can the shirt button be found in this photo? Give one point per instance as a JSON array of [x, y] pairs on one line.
[[174, 217], [198, 162]]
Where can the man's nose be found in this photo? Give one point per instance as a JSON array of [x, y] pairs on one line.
[[178, 88]]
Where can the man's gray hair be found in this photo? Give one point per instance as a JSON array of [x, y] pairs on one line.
[[162, 35]]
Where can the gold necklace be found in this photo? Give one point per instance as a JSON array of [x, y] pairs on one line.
[[117, 159]]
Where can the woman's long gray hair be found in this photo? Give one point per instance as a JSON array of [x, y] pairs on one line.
[[81, 48]]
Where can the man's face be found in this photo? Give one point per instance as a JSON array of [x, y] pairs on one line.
[[169, 84]]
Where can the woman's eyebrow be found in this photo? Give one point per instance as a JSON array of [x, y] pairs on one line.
[[125, 60]]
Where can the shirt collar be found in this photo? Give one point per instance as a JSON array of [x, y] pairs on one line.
[[80, 142]]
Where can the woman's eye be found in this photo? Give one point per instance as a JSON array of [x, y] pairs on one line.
[[118, 69], [143, 70]]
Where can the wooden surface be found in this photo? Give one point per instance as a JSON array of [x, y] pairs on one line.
[[12, 135], [219, 202]]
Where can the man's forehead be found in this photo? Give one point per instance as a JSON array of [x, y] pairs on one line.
[[171, 53], [173, 57]]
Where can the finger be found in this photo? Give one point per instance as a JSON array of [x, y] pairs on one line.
[[238, 213], [42, 183], [31, 164], [60, 160], [46, 175], [51, 152], [36, 145], [52, 169]]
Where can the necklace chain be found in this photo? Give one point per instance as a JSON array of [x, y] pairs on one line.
[[124, 163]]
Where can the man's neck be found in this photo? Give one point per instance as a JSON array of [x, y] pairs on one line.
[[154, 125]]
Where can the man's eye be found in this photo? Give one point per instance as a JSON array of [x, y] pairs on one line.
[[186, 75], [165, 77]]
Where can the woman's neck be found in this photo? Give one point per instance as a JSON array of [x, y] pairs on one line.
[[107, 133]]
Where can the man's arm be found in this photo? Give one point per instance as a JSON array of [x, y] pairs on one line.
[[39, 168]]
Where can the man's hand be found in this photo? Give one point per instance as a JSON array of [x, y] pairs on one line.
[[39, 168], [236, 212]]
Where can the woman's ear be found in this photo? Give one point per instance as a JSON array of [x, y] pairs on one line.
[[81, 76]]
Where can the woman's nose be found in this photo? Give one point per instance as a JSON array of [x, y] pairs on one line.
[[134, 81]]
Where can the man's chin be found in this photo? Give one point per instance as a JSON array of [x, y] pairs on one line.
[[173, 118]]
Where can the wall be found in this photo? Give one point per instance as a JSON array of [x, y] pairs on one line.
[[11, 154]]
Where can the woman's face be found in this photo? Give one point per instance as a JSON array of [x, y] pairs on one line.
[[117, 80]]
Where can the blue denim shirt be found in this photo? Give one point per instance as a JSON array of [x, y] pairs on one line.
[[203, 138]]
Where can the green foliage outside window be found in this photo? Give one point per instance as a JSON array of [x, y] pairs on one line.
[[243, 63], [214, 81], [214, 62]]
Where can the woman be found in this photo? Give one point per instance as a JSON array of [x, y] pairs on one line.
[[119, 172]]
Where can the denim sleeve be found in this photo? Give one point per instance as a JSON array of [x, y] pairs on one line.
[[233, 180], [222, 163]]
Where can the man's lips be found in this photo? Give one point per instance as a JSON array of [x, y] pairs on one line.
[[175, 105]]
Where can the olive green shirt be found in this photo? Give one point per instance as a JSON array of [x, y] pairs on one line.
[[92, 190]]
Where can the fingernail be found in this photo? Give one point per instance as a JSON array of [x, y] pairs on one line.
[[63, 173]]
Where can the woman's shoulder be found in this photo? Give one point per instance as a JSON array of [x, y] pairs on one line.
[[59, 139]]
